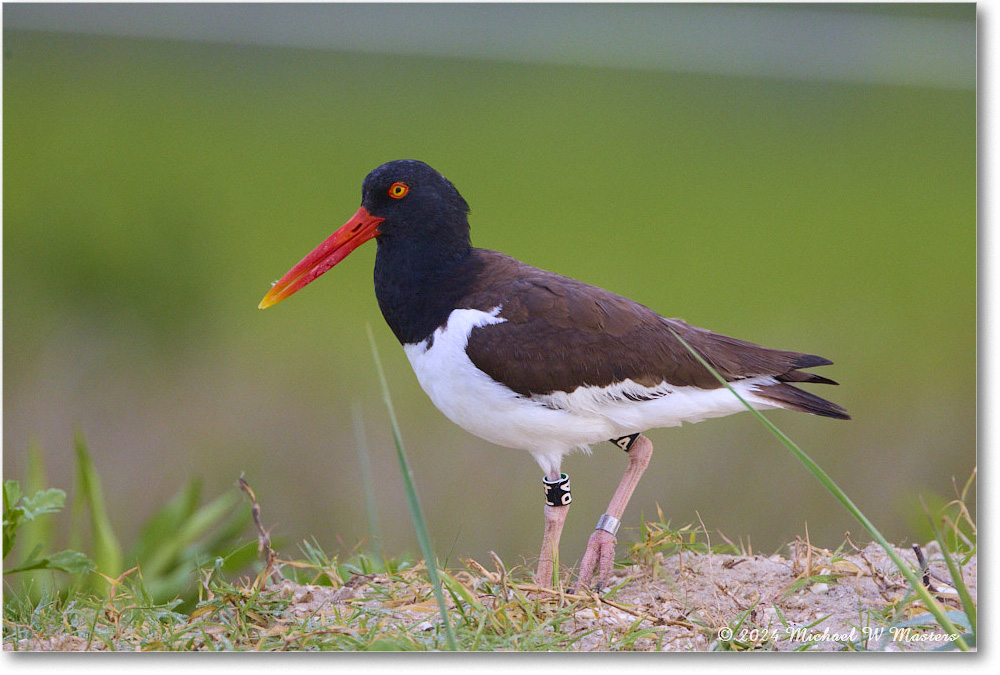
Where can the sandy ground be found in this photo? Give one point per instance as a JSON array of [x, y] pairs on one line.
[[814, 599]]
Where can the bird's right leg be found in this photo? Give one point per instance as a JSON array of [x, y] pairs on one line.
[[557, 500], [599, 557]]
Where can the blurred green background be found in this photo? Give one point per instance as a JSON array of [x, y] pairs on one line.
[[154, 187]]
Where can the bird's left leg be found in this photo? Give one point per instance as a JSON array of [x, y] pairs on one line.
[[600, 554], [557, 500]]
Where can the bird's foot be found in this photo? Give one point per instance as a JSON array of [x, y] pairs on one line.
[[599, 558]]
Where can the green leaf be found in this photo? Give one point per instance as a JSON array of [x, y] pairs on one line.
[[44, 501], [17, 515], [71, 562]]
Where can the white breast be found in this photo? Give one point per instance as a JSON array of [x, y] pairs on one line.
[[474, 401]]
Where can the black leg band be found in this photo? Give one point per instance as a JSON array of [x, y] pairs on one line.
[[557, 491], [625, 442]]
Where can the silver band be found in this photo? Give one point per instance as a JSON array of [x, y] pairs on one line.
[[608, 524]]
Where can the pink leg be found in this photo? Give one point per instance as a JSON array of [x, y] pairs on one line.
[[555, 518], [600, 554], [557, 500]]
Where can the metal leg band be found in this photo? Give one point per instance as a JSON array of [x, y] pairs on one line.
[[557, 491], [608, 524], [625, 442]]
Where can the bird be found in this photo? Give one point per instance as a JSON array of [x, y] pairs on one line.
[[530, 359]]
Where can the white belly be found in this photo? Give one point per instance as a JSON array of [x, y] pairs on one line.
[[550, 425], [472, 400]]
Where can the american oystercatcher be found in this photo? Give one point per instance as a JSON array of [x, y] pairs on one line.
[[529, 359]]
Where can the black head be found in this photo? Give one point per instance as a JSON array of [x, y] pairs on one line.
[[418, 218], [416, 202]]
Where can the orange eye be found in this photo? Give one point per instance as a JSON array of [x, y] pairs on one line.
[[398, 190]]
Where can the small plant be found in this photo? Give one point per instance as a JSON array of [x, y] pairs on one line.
[[658, 540], [19, 510], [170, 547]]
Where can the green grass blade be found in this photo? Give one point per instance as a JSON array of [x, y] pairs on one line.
[[411, 498], [107, 552], [367, 484], [929, 601]]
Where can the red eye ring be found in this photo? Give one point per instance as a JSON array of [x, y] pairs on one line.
[[398, 190]]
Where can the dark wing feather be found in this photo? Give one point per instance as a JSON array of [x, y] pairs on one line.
[[560, 333]]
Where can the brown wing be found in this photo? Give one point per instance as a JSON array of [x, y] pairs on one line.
[[560, 333]]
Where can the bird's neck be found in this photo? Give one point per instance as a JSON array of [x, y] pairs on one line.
[[417, 287]]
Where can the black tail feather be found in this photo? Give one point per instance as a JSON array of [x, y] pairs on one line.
[[799, 376], [787, 396], [811, 361]]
